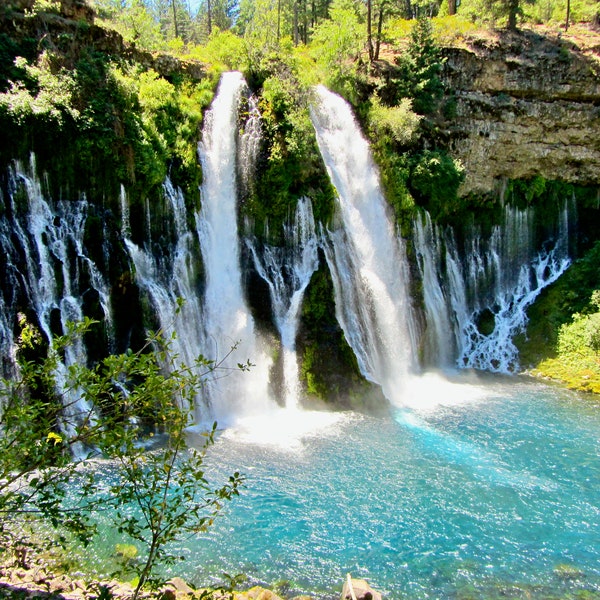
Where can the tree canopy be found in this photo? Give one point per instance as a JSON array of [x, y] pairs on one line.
[[155, 24]]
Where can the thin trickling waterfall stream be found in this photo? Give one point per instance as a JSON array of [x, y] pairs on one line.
[[45, 257], [171, 284], [287, 271]]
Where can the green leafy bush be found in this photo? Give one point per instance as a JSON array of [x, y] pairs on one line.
[[107, 412], [224, 51], [40, 92], [582, 335], [399, 121], [434, 180], [289, 163], [577, 362]]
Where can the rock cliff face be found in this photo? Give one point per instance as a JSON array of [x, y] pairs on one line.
[[526, 105]]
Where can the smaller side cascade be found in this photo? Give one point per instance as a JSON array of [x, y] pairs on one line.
[[287, 271], [476, 296], [49, 278]]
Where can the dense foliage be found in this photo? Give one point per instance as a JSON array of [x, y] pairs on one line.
[[96, 120], [288, 166]]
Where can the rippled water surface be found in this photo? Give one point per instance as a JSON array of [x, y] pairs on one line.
[[471, 490]]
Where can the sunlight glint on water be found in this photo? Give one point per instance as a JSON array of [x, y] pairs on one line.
[[487, 493]]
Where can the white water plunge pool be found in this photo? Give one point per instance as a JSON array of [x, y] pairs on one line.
[[482, 488]]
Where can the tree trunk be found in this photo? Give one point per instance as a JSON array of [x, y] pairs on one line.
[[209, 17], [451, 7], [175, 18], [295, 27], [379, 30], [369, 33], [568, 15], [513, 10], [278, 20], [305, 22]]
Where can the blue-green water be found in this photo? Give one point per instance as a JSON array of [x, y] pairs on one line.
[[473, 490]]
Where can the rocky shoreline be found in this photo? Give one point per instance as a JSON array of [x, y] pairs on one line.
[[37, 581], [28, 580]]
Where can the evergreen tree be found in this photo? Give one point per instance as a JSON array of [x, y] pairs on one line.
[[420, 68]]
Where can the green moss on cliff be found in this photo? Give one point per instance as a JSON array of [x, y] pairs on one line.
[[289, 164], [329, 369]]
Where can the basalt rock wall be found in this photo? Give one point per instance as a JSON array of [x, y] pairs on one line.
[[525, 105]]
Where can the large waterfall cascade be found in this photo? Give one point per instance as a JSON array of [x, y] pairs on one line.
[[365, 255], [287, 271], [228, 322]]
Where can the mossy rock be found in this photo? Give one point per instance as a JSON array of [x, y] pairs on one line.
[[568, 571]]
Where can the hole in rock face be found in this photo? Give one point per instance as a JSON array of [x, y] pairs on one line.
[[486, 321]]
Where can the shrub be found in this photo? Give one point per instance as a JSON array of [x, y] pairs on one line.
[[224, 51], [108, 411], [434, 179], [399, 121], [40, 93]]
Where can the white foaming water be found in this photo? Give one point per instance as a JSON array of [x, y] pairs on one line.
[[227, 317], [431, 390], [285, 429], [47, 240], [499, 277], [249, 144], [365, 256], [168, 281], [287, 271], [125, 221], [439, 345]]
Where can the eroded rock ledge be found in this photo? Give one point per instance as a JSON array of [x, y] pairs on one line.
[[526, 104]]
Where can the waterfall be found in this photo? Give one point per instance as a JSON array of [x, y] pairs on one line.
[[249, 146], [227, 319], [125, 220], [167, 280], [493, 280], [365, 255], [46, 267], [438, 347], [287, 271]]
